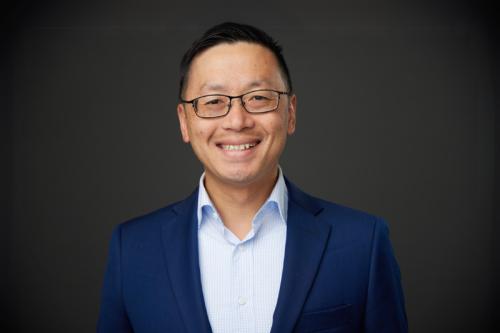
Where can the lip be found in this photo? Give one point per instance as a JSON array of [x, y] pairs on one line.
[[238, 154], [237, 142]]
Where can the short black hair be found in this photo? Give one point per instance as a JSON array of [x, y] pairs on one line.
[[230, 32]]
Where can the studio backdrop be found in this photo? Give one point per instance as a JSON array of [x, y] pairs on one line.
[[396, 116]]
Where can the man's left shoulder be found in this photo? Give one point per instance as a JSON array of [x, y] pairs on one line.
[[336, 214], [351, 228], [342, 218]]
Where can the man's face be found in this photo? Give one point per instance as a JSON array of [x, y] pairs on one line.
[[235, 69]]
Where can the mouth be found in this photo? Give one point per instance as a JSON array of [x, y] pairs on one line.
[[238, 147]]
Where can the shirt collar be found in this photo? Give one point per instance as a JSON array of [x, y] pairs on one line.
[[279, 196]]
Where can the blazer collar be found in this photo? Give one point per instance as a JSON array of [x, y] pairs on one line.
[[180, 244], [305, 244]]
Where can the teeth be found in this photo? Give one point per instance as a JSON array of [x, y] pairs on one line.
[[238, 147]]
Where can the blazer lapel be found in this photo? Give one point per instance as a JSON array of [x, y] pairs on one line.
[[180, 243], [305, 244]]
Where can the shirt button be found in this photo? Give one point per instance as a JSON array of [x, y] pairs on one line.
[[242, 300]]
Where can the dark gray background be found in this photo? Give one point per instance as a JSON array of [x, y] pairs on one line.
[[398, 115]]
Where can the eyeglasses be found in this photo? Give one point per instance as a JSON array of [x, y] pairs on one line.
[[257, 101]]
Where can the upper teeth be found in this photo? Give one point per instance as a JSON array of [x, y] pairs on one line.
[[238, 147]]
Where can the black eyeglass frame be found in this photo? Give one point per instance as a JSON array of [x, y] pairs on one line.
[[194, 102]]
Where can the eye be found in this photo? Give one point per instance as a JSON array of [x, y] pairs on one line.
[[213, 101], [259, 98]]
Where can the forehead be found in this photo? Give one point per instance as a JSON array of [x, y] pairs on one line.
[[236, 66]]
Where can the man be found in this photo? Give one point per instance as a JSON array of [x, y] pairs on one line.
[[248, 251]]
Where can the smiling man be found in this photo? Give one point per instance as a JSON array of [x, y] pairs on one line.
[[248, 251]]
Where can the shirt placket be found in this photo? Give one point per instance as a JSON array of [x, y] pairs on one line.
[[242, 287]]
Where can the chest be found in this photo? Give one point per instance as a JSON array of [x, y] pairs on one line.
[[241, 281]]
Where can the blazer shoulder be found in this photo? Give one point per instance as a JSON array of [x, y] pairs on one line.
[[332, 212], [151, 220], [352, 226], [347, 222], [346, 213]]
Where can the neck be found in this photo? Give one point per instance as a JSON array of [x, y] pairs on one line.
[[238, 204]]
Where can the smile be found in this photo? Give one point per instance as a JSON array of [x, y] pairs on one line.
[[244, 146]]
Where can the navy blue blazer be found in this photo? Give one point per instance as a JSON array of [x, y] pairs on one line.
[[339, 273]]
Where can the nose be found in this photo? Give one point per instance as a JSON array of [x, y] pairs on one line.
[[238, 118]]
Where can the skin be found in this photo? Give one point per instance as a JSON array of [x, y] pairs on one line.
[[238, 182]]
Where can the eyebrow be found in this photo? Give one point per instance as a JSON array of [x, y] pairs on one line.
[[220, 87]]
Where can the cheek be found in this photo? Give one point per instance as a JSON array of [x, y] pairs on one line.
[[200, 134], [277, 127], [277, 131]]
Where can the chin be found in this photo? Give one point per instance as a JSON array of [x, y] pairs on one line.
[[242, 176], [239, 178], [233, 175]]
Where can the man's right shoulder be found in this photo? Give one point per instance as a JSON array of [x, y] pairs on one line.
[[160, 216]]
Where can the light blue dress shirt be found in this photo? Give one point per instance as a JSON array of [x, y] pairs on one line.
[[241, 278]]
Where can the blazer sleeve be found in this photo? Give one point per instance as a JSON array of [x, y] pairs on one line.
[[385, 306], [112, 315]]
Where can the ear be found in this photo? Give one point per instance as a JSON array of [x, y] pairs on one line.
[[292, 109], [182, 115]]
